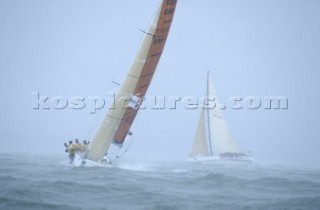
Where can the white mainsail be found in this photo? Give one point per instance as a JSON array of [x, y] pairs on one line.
[[118, 119], [219, 138]]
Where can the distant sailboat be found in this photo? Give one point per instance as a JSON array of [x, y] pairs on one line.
[[219, 145], [116, 123]]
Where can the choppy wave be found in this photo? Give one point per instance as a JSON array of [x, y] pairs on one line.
[[49, 183]]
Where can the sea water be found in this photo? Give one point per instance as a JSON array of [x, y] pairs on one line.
[[43, 182]]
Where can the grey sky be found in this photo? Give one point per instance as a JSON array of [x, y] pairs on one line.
[[76, 48]]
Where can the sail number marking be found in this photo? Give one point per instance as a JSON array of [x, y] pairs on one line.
[[171, 2], [162, 30], [169, 11], [159, 40]]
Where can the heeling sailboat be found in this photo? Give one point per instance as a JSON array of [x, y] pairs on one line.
[[117, 121], [219, 144]]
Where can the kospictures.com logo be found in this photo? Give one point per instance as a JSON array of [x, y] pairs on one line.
[[94, 103]]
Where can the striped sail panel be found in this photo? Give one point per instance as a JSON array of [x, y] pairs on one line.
[[158, 32]]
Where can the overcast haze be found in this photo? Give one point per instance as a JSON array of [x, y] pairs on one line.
[[76, 48]]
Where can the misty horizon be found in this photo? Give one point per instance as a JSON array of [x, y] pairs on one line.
[[80, 48]]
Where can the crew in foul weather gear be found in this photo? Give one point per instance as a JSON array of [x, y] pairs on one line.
[[72, 148]]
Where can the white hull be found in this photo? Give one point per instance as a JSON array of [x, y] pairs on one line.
[[81, 160], [90, 163], [216, 158]]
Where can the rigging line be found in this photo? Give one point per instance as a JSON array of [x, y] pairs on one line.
[[94, 126], [119, 153], [124, 150], [89, 133], [144, 22], [147, 19], [152, 34], [146, 32], [116, 83], [114, 153]]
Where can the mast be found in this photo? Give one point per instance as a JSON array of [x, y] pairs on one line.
[[118, 119], [208, 117]]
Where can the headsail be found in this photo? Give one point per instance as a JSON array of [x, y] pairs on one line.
[[199, 146], [117, 121]]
